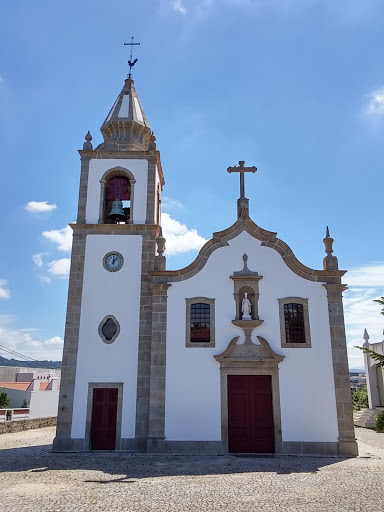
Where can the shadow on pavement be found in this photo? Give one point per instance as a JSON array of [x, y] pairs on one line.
[[40, 459]]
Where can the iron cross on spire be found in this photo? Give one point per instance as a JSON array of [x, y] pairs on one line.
[[241, 169], [131, 62]]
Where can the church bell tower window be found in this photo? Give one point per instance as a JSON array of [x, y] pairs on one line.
[[117, 201]]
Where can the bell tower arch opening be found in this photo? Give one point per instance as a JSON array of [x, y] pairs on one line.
[[116, 197]]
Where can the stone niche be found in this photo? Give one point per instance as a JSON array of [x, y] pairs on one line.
[[246, 282]]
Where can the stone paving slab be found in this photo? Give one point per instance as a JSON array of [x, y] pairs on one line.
[[34, 479]]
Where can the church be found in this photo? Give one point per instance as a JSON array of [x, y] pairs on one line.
[[242, 351]]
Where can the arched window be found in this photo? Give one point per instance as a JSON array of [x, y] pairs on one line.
[[117, 188]]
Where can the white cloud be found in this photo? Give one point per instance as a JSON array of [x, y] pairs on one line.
[[45, 279], [366, 283], [178, 6], [21, 341], [178, 237], [7, 319], [1, 79], [376, 102], [4, 291], [39, 206], [60, 267], [37, 259], [170, 204], [368, 275], [62, 237], [344, 12]]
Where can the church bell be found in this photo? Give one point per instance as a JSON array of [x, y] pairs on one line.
[[117, 213]]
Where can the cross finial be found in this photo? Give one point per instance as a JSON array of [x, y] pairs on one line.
[[131, 62], [241, 169]]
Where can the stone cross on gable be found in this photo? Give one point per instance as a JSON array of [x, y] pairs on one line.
[[241, 169]]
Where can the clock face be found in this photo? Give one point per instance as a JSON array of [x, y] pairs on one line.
[[113, 261]]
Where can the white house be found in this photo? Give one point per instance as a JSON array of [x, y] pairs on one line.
[[242, 351], [36, 387]]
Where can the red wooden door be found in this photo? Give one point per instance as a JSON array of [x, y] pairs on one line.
[[250, 414], [104, 413]]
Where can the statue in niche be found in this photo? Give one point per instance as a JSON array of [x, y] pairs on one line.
[[246, 307]]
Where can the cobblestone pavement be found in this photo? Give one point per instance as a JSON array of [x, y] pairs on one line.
[[34, 479]]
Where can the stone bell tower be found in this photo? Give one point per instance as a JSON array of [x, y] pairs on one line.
[[104, 398]]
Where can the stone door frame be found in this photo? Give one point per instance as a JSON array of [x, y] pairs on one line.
[[267, 364], [88, 424]]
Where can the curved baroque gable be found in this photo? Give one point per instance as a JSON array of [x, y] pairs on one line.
[[268, 239]]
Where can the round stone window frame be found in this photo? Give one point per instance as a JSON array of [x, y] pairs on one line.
[[101, 325], [118, 254]]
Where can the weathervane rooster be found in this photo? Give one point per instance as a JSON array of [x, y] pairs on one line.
[[131, 62]]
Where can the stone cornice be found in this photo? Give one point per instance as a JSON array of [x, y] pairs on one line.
[[116, 229], [149, 155], [268, 239]]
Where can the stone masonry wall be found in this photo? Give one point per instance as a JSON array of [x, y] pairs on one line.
[[18, 426]]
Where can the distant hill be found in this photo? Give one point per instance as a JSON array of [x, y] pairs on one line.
[[29, 364]]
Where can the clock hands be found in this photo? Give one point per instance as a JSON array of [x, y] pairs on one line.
[[113, 261]]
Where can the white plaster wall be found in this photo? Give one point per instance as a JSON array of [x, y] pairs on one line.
[[17, 396], [43, 404], [109, 293], [98, 167], [307, 393]]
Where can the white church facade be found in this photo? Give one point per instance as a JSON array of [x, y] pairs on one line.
[[243, 351]]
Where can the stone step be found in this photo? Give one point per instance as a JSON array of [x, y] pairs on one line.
[[365, 417]]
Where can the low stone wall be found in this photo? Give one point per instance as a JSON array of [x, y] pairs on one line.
[[18, 426]]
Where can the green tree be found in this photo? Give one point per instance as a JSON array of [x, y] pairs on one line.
[[381, 302], [360, 398], [379, 422], [4, 399]]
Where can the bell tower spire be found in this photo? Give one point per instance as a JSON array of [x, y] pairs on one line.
[[126, 126], [122, 178]]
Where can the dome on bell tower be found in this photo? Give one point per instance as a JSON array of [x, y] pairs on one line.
[[126, 126]]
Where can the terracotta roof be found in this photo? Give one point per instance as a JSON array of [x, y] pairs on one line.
[[23, 386]]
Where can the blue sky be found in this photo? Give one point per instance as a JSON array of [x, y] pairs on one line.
[[295, 87]]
